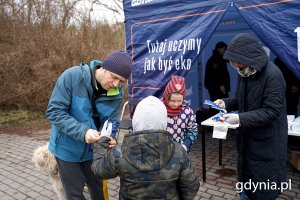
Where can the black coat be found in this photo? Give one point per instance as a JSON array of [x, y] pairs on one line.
[[260, 100], [216, 75]]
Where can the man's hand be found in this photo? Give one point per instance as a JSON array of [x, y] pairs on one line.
[[232, 118], [91, 136]]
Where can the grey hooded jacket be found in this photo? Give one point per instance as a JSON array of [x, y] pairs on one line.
[[260, 101]]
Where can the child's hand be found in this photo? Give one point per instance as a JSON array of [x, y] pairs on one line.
[[112, 143]]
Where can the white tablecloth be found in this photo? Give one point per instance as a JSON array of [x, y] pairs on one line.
[[210, 122]]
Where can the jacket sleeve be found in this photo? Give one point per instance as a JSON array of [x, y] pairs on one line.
[[192, 130], [231, 103], [104, 159], [271, 107], [188, 183], [59, 105]]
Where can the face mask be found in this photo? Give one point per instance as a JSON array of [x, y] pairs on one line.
[[247, 71], [243, 71]]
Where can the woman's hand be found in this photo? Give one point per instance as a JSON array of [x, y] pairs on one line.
[[220, 102]]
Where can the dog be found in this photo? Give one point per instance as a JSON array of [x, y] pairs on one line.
[[45, 161]]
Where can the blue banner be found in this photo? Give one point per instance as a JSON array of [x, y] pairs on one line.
[[166, 37], [167, 41], [277, 24]]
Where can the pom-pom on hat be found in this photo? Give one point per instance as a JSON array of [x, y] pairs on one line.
[[175, 85], [118, 62]]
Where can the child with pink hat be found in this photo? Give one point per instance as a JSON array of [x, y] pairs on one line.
[[181, 119]]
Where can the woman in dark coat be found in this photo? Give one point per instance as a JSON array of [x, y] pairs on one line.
[[260, 101]]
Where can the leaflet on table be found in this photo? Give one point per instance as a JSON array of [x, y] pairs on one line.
[[290, 118], [219, 118], [220, 131], [294, 125], [297, 119]]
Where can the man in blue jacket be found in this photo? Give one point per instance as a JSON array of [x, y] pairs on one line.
[[83, 98]]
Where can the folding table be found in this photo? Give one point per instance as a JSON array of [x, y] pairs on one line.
[[210, 122]]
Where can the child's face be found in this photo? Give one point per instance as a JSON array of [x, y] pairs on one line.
[[175, 101]]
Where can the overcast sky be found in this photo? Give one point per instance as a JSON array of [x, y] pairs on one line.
[[100, 13]]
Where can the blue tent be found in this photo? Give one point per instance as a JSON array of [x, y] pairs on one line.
[[171, 37]]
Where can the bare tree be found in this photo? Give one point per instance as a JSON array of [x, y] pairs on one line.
[[68, 8], [116, 6], [41, 38]]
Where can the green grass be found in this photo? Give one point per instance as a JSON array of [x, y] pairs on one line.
[[19, 117]]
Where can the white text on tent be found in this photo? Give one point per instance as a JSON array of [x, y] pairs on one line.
[[192, 44]]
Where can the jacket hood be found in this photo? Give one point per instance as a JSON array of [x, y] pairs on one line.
[[148, 150], [246, 50], [150, 114]]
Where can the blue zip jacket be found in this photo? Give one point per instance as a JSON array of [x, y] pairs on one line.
[[70, 113]]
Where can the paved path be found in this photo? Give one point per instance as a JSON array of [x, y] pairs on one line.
[[19, 179]]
